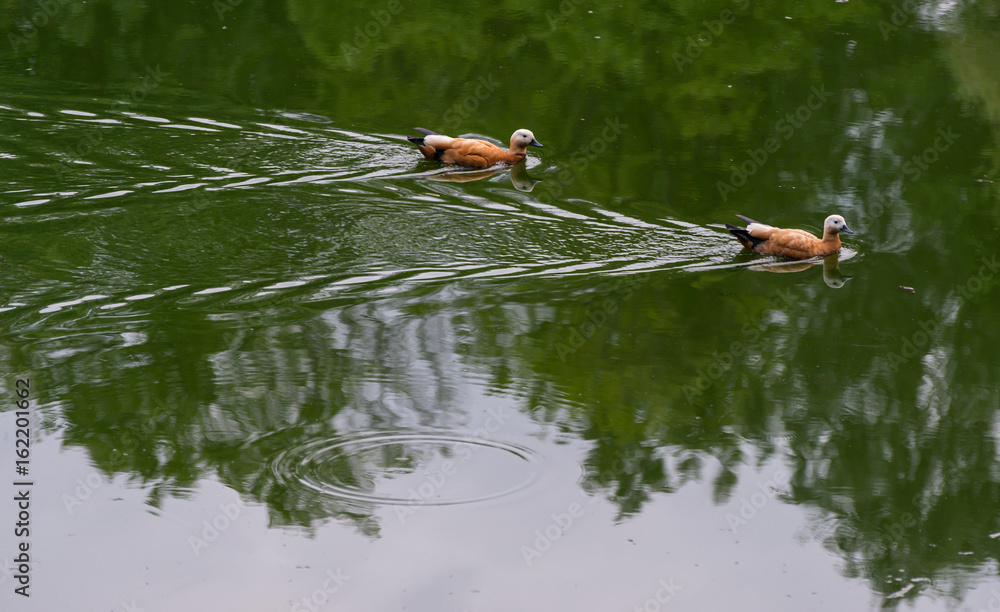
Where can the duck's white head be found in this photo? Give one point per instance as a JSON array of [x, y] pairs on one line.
[[836, 224], [522, 139]]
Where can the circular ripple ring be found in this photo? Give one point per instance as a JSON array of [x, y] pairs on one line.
[[311, 465]]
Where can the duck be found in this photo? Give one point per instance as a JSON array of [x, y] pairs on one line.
[[472, 152], [791, 243]]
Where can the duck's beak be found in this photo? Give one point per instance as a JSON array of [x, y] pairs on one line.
[[847, 229], [535, 143]]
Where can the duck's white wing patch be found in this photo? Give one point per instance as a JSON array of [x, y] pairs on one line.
[[438, 141], [759, 228]]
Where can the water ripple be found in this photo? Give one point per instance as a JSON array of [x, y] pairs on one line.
[[293, 207], [409, 468]]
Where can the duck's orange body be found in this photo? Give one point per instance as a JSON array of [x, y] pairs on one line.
[[472, 152], [793, 243]]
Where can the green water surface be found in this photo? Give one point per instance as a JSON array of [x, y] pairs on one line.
[[278, 361]]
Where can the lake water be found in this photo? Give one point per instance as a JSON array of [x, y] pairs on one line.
[[274, 360]]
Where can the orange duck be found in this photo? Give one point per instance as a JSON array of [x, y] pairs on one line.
[[793, 243], [472, 152]]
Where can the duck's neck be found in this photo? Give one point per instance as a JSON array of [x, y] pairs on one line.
[[832, 237]]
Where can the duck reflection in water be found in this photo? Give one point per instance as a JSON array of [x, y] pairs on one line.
[[832, 275], [518, 176]]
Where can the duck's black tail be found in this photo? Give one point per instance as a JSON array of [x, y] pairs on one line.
[[743, 235], [417, 140]]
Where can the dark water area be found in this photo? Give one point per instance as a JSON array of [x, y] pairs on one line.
[[276, 360]]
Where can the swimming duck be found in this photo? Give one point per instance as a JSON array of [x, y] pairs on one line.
[[472, 152], [794, 243]]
